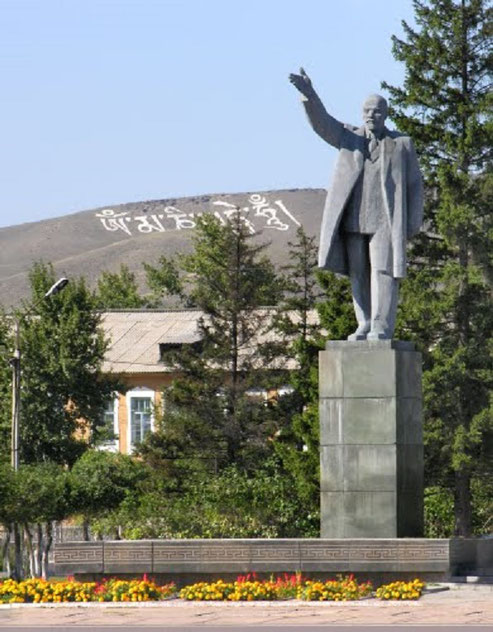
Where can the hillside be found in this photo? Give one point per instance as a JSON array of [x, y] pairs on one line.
[[87, 242]]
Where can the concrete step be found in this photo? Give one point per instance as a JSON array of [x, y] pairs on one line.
[[472, 579], [466, 583]]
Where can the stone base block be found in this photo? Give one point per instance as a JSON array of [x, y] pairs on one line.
[[371, 440]]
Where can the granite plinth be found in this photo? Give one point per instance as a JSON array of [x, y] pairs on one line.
[[371, 440], [402, 345]]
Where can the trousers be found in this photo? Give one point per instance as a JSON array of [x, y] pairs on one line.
[[374, 291]]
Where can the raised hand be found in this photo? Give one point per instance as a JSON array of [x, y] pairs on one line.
[[302, 82]]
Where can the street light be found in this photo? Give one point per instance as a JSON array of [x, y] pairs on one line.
[[55, 288], [15, 363]]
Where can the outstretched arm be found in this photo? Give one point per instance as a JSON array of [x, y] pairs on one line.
[[326, 126]]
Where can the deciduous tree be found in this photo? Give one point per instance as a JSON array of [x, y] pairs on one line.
[[64, 391], [101, 481], [118, 290]]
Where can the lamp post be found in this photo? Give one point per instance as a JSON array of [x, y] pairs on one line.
[[15, 363]]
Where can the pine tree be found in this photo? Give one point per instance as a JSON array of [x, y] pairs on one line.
[[297, 321], [5, 387], [445, 106], [316, 307], [210, 412]]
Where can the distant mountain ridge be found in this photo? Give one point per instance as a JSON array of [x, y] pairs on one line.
[[87, 242]]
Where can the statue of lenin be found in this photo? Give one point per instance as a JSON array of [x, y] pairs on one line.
[[375, 204]]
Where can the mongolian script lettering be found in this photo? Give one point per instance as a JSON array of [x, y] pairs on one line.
[[149, 224], [114, 221], [182, 220], [262, 208], [259, 214], [230, 210]]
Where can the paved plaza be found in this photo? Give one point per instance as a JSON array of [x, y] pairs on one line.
[[462, 605]]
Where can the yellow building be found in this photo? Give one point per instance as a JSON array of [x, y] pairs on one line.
[[137, 341]]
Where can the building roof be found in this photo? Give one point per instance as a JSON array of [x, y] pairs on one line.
[[136, 335]]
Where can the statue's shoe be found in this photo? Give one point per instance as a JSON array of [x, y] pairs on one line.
[[360, 333], [377, 335]]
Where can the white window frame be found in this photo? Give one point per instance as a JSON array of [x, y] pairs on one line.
[[285, 389], [138, 393], [257, 393], [112, 445]]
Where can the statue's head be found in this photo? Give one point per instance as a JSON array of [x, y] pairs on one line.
[[375, 111]]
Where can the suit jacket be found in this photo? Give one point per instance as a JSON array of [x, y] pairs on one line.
[[401, 181]]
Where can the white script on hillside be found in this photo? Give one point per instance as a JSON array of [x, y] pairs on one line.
[[259, 214]]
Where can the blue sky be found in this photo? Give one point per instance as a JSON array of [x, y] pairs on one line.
[[110, 101]]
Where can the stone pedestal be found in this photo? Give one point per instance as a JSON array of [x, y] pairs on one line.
[[371, 440]]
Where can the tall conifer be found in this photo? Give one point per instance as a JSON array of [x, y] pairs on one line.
[[213, 410], [445, 105]]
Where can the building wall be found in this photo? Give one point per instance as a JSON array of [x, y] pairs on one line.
[[154, 382], [151, 385]]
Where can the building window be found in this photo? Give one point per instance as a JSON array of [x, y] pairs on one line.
[[109, 428], [140, 415], [257, 393], [257, 396], [286, 389]]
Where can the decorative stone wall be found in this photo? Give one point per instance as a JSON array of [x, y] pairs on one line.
[[210, 557]]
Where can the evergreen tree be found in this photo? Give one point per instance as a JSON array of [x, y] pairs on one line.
[[297, 321], [298, 337], [5, 388], [211, 412], [336, 312], [64, 391], [445, 106], [118, 290], [316, 307]]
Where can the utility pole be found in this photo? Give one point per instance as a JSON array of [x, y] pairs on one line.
[[15, 363]]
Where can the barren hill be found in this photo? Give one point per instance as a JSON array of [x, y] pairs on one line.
[[88, 242]]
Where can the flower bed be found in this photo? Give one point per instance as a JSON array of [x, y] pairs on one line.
[[249, 588], [340, 589], [245, 588], [42, 591], [401, 590]]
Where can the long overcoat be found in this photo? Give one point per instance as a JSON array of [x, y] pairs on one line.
[[401, 182]]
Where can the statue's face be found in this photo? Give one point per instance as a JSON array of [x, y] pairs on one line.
[[374, 114]]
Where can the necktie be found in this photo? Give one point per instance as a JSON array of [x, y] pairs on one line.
[[373, 148]]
